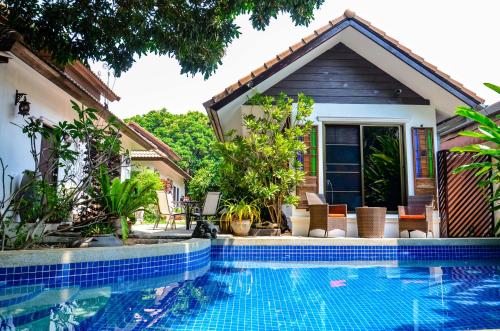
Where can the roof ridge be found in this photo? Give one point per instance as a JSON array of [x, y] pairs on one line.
[[347, 15]]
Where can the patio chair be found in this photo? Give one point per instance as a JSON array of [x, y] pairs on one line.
[[166, 210], [210, 206], [325, 217], [417, 215]]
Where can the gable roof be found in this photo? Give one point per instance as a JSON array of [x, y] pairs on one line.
[[154, 141], [157, 155], [317, 38], [163, 152]]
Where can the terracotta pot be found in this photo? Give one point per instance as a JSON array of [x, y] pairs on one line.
[[241, 228]]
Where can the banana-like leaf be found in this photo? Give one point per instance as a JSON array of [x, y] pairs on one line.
[[475, 116], [493, 87]]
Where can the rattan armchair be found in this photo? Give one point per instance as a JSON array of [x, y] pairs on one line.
[[325, 217], [417, 215]]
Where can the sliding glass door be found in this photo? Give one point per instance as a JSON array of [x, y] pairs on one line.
[[364, 165]]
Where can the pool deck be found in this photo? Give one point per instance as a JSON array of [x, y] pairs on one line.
[[231, 240]]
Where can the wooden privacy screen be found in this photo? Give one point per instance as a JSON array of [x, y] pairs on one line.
[[309, 162], [424, 164], [463, 205]]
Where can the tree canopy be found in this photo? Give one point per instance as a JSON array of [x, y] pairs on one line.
[[189, 135], [196, 33]]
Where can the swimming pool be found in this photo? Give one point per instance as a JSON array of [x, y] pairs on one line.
[[248, 295]]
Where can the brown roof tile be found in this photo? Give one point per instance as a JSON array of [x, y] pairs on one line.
[[348, 14]]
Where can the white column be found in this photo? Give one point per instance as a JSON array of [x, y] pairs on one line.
[[321, 146]]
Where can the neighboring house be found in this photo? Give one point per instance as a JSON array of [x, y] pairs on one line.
[[365, 85], [162, 159], [49, 89]]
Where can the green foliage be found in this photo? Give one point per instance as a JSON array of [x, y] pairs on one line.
[[191, 137], [488, 131], [147, 177], [123, 199], [196, 33], [43, 200], [206, 179], [39, 200], [263, 164]]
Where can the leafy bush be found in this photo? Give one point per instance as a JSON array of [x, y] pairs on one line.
[[263, 164], [206, 179], [77, 149]]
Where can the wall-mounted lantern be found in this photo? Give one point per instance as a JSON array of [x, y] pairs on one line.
[[24, 105]]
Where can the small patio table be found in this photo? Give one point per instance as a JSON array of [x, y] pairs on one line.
[[371, 221], [188, 208]]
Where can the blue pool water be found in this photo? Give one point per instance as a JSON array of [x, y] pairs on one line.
[[270, 296]]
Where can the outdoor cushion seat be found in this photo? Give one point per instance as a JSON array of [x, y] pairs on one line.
[[412, 217], [417, 215]]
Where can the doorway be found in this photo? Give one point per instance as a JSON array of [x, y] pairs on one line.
[[364, 165]]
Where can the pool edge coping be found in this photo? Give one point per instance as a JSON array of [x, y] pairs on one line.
[[21, 258]]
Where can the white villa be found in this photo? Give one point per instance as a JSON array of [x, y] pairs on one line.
[[365, 85]]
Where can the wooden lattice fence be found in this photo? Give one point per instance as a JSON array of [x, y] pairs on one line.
[[463, 205]]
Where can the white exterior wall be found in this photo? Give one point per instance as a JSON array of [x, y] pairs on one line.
[[47, 101]]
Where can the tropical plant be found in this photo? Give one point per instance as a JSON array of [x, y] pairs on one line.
[[382, 167], [76, 149], [123, 198], [241, 210], [489, 131], [263, 164], [196, 33]]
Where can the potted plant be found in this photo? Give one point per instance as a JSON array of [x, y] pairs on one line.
[[241, 215]]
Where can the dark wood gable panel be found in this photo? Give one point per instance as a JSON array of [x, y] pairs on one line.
[[340, 75]]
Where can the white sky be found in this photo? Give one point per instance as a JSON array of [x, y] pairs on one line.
[[460, 37]]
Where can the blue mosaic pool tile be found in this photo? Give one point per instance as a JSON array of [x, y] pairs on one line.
[[351, 253], [88, 274]]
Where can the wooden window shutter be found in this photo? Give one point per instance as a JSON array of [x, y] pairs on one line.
[[309, 161], [424, 161]]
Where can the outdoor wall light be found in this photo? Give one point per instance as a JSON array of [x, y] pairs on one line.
[[24, 105]]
